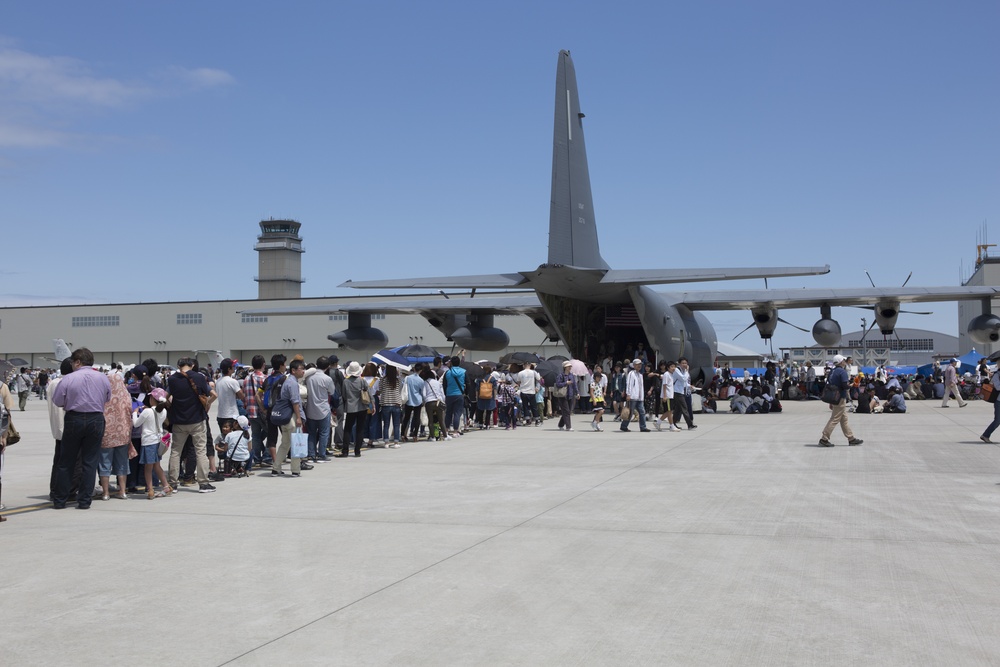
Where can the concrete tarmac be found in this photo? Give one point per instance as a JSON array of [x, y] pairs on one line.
[[739, 543]]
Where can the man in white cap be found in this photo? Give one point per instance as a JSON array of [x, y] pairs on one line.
[[838, 412], [951, 384]]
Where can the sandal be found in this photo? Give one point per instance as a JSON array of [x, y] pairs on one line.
[[160, 494], [105, 497], [121, 497]]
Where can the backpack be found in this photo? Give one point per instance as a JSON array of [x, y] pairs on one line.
[[485, 389], [271, 390], [765, 407]]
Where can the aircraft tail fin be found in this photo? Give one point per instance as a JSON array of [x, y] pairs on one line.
[[60, 350], [572, 225]]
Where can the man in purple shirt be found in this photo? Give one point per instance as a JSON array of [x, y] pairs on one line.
[[82, 394]]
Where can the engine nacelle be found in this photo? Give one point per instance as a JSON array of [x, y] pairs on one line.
[[360, 339], [984, 329], [826, 332], [766, 319], [886, 314], [475, 337]]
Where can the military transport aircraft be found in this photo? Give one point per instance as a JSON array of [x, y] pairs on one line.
[[577, 298]]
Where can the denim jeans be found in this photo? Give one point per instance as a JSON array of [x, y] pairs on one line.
[[996, 421], [391, 413], [637, 407], [82, 434], [113, 461], [319, 435], [454, 405], [257, 435]]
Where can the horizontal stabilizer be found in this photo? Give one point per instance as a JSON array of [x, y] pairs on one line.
[[810, 298], [666, 276], [499, 280]]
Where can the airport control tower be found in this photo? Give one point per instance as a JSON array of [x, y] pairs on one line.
[[279, 260]]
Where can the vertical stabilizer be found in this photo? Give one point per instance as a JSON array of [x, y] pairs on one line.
[[60, 349], [572, 225]]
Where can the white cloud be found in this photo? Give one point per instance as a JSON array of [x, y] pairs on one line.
[[201, 77], [23, 136], [42, 80], [43, 97]]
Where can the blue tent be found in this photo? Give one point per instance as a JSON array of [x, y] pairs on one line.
[[971, 358], [967, 363]]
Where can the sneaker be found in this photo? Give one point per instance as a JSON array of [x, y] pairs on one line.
[[962, 405], [673, 428], [823, 442], [205, 488], [692, 427], [625, 429], [560, 428], [319, 460], [296, 474], [982, 437], [855, 441], [656, 423], [593, 425], [394, 445], [447, 437], [645, 430], [569, 430], [305, 466], [277, 473], [187, 482], [217, 477]]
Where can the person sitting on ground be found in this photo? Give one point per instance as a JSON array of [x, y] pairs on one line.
[[740, 402], [915, 390], [865, 400], [896, 402]]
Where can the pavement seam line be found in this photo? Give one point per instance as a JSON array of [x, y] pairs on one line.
[[442, 560]]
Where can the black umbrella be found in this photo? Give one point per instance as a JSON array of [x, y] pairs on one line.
[[520, 358], [557, 357], [5, 367], [549, 369], [18, 361], [473, 370]]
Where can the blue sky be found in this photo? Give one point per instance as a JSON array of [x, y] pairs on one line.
[[136, 138]]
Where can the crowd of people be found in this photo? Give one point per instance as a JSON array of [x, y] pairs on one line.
[[120, 424]]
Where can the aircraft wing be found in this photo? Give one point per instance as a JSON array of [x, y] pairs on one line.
[[513, 304], [487, 281], [809, 298], [666, 276]]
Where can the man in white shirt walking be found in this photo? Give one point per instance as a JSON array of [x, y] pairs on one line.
[[634, 394]]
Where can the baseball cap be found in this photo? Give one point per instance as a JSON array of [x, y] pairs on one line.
[[837, 358]]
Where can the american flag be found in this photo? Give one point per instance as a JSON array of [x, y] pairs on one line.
[[621, 316]]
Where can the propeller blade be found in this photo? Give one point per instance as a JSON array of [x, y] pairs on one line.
[[793, 325], [744, 331], [870, 278], [917, 312], [907, 279]]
